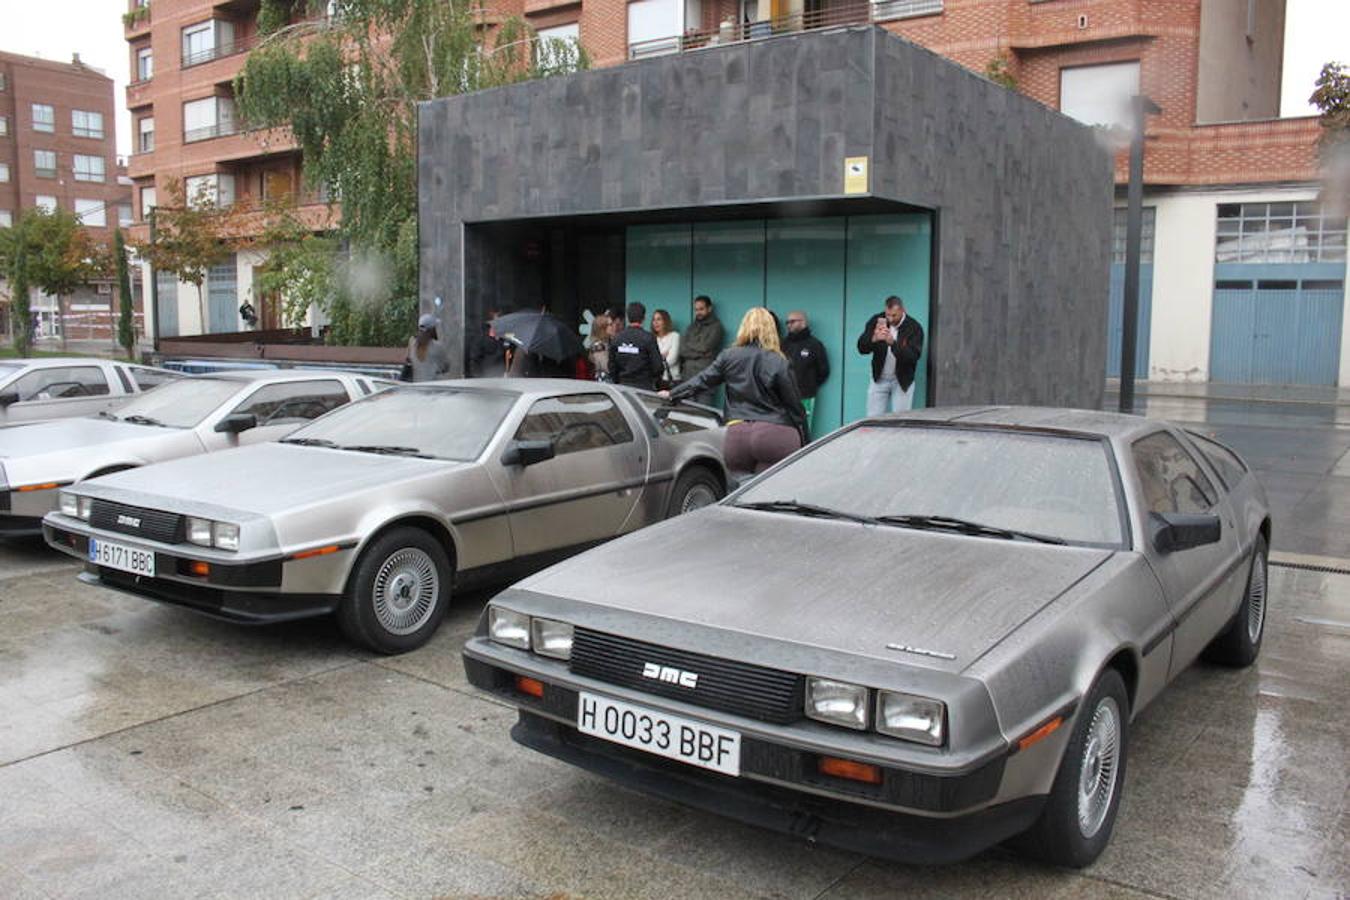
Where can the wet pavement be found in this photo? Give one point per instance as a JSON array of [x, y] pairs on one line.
[[146, 751]]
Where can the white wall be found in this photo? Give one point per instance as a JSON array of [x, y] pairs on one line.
[[1183, 279]]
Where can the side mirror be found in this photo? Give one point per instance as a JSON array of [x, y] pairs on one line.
[[234, 423], [9, 399], [1170, 532], [527, 453]]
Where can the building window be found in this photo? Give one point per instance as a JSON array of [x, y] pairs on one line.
[[6, 218], [1145, 238], [883, 10], [147, 201], [1290, 232], [44, 117], [89, 168], [207, 41], [2, 81], [4, 172], [145, 64], [45, 203], [44, 161], [124, 216], [145, 134], [86, 124], [571, 32], [654, 27], [209, 190], [93, 213], [208, 118], [1099, 95], [4, 125], [276, 184]]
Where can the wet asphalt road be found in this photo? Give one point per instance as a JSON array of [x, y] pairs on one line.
[[149, 752]]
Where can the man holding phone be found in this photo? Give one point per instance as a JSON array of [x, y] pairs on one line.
[[895, 342]]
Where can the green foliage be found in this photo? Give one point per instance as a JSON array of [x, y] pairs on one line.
[[188, 236], [49, 251], [126, 321], [347, 88], [131, 17], [998, 72], [1332, 98], [14, 256]]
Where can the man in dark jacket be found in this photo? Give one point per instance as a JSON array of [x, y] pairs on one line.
[[700, 344], [634, 357], [895, 342], [810, 365]]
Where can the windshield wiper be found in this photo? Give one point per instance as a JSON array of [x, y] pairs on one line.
[[308, 442], [807, 509], [144, 420], [965, 526], [386, 450]]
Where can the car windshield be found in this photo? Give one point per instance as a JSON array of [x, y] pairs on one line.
[[6, 370], [408, 421], [994, 483], [183, 403]]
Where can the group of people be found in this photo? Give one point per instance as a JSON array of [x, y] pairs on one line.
[[771, 378]]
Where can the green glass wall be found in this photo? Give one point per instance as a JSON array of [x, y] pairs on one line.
[[838, 270]]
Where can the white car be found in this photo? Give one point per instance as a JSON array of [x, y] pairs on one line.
[[194, 414], [33, 390]]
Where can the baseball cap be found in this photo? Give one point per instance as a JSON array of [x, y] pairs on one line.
[[427, 322]]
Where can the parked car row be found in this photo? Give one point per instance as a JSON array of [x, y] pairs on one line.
[[920, 636], [36, 390]]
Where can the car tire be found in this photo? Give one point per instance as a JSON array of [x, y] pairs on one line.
[[398, 592], [1239, 643], [1075, 826], [694, 489]]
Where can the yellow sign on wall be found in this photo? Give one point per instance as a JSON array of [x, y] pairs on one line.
[[855, 175]]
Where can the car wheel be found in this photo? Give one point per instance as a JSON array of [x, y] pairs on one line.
[[1239, 644], [1080, 812], [398, 593], [694, 489]]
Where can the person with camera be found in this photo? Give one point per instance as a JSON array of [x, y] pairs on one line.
[[895, 342]]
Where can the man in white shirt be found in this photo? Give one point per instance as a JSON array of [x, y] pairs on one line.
[[894, 340]]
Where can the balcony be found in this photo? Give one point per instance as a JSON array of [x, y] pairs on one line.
[[138, 94], [136, 20], [219, 51], [836, 16], [206, 133]]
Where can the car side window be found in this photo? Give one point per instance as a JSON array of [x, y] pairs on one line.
[[150, 378], [293, 401], [1171, 478], [575, 422], [1231, 469], [62, 383], [125, 379]]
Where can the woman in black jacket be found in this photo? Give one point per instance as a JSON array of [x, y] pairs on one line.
[[765, 418]]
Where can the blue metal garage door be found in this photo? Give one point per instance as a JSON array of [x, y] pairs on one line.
[[222, 295], [1277, 325], [1116, 320]]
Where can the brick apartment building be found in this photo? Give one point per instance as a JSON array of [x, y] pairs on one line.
[[58, 150], [1244, 273]]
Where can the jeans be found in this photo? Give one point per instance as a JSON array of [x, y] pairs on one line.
[[887, 396]]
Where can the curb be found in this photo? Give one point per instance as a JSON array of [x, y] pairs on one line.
[[1311, 563]]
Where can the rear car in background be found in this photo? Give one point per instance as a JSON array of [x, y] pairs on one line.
[[379, 509], [188, 416], [35, 390]]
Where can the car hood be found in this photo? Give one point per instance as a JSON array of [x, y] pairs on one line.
[[828, 584], [264, 479], [39, 438]]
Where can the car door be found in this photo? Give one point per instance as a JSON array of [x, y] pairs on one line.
[[587, 490], [280, 408], [58, 392], [1202, 584]]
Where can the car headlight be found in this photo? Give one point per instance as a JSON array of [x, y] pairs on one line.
[[836, 702], [70, 504], [912, 718], [551, 638], [225, 535], [199, 531], [84, 508], [506, 626]]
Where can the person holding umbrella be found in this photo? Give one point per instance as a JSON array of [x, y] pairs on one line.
[[540, 345]]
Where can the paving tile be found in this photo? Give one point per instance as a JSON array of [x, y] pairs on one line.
[[989, 875]]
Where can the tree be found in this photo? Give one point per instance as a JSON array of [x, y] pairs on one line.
[[189, 236], [13, 260], [54, 253], [1332, 97], [126, 325], [346, 85]]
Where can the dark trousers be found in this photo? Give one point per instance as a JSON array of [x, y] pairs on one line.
[[754, 446]]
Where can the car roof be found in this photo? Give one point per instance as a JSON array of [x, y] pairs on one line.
[[1095, 422], [526, 387], [48, 362], [251, 375]]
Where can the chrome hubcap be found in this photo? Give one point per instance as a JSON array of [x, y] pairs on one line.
[[1256, 600], [407, 588], [699, 495], [1097, 775]]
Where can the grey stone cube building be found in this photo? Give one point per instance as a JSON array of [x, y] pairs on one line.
[[723, 172]]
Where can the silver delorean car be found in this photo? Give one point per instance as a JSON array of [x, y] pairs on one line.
[[378, 509], [917, 637], [36, 390]]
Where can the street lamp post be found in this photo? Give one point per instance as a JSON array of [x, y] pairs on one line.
[[152, 315], [1141, 107]]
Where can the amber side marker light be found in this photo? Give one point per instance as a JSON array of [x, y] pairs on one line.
[[317, 551], [847, 768], [1041, 733], [49, 486], [199, 568], [532, 686]]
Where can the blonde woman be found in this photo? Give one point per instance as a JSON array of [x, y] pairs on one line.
[[668, 342], [597, 348], [765, 417]]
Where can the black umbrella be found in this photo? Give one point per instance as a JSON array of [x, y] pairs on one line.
[[539, 333]]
